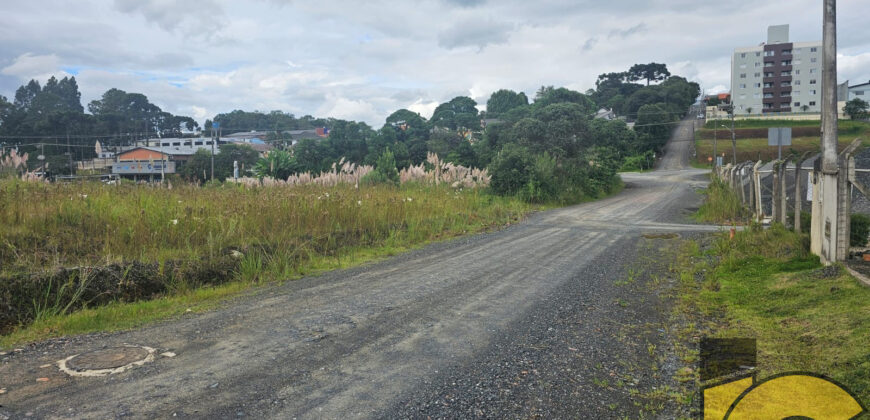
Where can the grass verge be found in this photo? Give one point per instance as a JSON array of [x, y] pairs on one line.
[[721, 206], [764, 284]]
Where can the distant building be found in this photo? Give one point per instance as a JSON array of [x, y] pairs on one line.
[[777, 76], [605, 113], [861, 91], [146, 162], [247, 137]]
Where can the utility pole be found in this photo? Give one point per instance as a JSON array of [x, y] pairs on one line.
[[824, 237], [715, 156], [733, 138], [69, 153]]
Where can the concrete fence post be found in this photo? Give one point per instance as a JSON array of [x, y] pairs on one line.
[[750, 175], [798, 194], [776, 202], [783, 194], [759, 209]]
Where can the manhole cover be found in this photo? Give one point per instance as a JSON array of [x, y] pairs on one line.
[[106, 361]]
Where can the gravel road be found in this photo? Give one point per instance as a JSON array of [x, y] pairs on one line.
[[523, 322]]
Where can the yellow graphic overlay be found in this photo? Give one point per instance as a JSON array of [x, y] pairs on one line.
[[782, 396]]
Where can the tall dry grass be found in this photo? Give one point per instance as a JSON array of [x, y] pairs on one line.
[[45, 226]]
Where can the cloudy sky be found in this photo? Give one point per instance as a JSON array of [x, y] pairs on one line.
[[362, 60]]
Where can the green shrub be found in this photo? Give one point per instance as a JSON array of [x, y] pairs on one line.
[[859, 229], [510, 170], [385, 171]]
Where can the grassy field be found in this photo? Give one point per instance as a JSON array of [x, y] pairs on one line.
[[764, 284], [244, 236], [755, 148]]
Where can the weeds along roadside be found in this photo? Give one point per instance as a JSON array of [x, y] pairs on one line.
[[74, 247], [765, 284]]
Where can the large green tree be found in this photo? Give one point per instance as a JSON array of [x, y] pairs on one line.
[[504, 100], [652, 72], [856, 109], [459, 112]]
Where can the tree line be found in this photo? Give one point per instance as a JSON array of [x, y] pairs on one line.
[[545, 148]]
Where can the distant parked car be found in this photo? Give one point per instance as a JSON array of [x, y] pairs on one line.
[[700, 116]]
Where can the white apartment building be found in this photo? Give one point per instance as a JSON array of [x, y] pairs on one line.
[[777, 75]]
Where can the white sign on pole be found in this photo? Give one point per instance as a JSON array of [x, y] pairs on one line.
[[779, 136]]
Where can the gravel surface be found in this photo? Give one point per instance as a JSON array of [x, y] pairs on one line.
[[524, 322]]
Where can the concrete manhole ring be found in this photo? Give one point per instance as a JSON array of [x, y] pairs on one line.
[[106, 361]]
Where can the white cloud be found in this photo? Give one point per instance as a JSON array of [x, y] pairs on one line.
[[349, 109], [31, 66], [365, 60], [425, 109], [854, 68]]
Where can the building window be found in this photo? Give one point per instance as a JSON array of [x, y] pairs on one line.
[[769, 53], [785, 104], [757, 74], [785, 84], [812, 81], [742, 75], [756, 95], [813, 49], [797, 72], [813, 71], [797, 50], [786, 94], [795, 92], [786, 63], [742, 96], [813, 91], [785, 73], [768, 95], [743, 86], [768, 85], [758, 54], [743, 66], [797, 82], [786, 52], [768, 64], [813, 59], [757, 64], [796, 62], [768, 74], [812, 103], [742, 55], [199, 143], [768, 106], [797, 104], [758, 85], [859, 93]]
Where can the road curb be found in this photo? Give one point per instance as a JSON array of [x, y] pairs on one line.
[[864, 280]]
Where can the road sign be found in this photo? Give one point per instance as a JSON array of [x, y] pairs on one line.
[[215, 125], [779, 136]]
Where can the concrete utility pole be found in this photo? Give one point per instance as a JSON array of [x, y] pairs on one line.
[[715, 156], [733, 137], [826, 220]]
